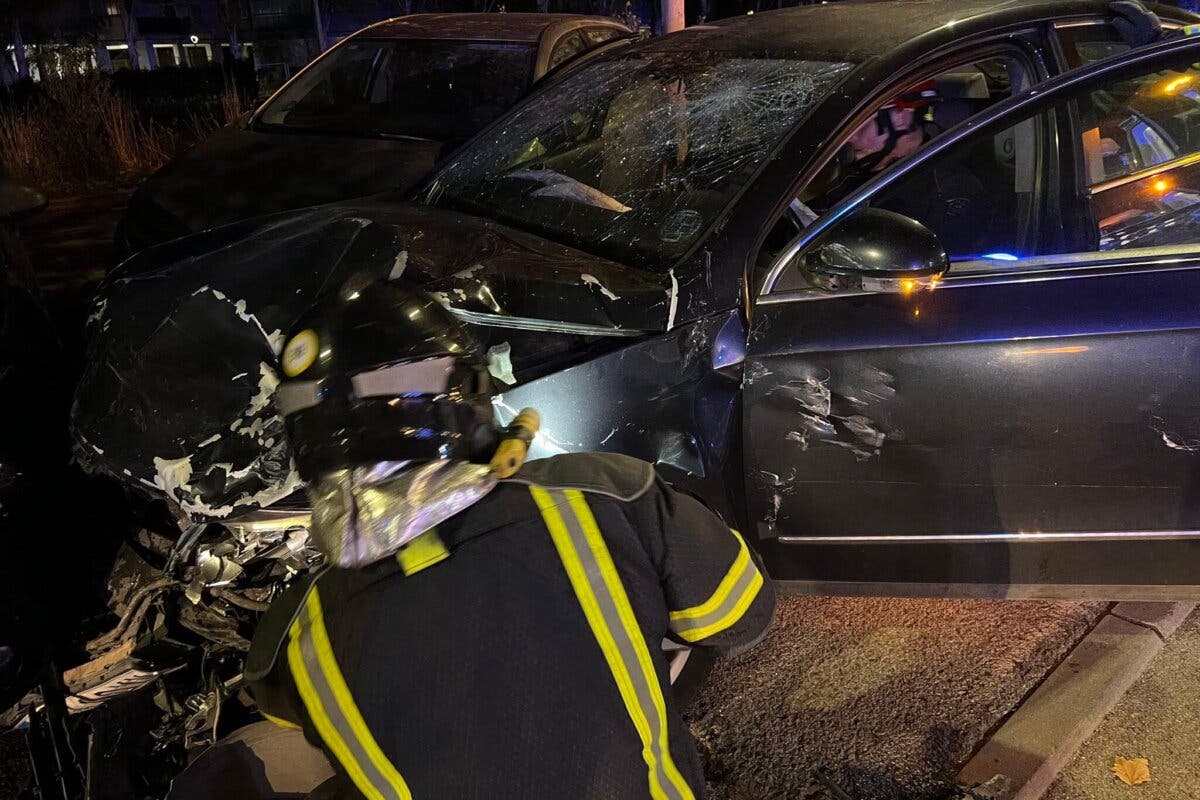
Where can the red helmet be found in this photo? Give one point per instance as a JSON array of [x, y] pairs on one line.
[[916, 96]]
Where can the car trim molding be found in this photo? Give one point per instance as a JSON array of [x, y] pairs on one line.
[[1168, 258], [1133, 177], [531, 324], [960, 538]]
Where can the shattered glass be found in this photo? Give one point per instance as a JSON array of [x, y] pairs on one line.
[[635, 158]]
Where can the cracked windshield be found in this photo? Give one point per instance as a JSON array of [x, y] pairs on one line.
[[634, 159]]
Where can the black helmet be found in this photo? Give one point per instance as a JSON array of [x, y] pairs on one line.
[[381, 372]]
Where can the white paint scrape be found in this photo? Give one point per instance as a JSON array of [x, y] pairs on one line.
[[98, 314], [673, 294], [592, 280], [275, 339], [399, 265], [500, 363], [172, 474]]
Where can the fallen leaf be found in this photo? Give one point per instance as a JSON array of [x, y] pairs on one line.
[[1131, 770]]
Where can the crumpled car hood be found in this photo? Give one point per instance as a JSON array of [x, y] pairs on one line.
[[176, 392]]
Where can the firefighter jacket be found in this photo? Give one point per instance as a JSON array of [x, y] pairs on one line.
[[516, 651]]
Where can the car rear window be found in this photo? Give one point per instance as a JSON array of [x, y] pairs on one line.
[[443, 90], [634, 158]]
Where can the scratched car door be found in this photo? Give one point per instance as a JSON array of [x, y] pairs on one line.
[[1035, 418]]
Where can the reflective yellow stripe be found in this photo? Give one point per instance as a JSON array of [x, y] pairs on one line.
[[325, 728], [609, 570], [735, 613], [332, 710], [728, 602], [345, 701], [424, 551], [723, 588], [655, 749], [280, 721]]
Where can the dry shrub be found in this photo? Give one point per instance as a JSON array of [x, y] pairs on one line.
[[231, 103], [78, 131]]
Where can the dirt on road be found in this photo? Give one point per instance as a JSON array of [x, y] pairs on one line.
[[890, 697]]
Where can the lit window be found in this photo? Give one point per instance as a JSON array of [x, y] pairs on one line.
[[111, 8]]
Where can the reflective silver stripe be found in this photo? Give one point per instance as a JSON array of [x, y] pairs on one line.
[[423, 377], [731, 603], [331, 708], [631, 665], [296, 396]]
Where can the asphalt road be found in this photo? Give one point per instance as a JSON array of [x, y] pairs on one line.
[[890, 697]]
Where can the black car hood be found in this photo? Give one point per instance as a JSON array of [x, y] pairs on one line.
[[176, 392], [239, 173]]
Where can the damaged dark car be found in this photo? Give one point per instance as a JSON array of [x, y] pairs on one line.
[[955, 372]]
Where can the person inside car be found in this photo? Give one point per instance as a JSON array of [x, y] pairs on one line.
[[948, 198], [896, 131]]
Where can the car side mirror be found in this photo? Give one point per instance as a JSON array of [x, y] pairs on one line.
[[877, 251], [18, 202]]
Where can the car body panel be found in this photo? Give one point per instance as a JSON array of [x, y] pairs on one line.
[[1058, 404]]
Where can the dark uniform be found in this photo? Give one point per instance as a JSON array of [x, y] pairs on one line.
[[515, 650]]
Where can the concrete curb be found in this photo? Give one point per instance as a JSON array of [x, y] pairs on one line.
[[1038, 739]]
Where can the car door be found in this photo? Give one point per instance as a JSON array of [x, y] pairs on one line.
[[1033, 420]]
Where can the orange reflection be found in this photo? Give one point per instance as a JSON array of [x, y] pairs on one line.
[[1161, 185], [1175, 84], [908, 286], [1065, 350]]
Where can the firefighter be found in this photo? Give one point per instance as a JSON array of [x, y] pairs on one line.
[[478, 633]]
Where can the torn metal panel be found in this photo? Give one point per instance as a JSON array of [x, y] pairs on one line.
[[177, 392], [659, 399]]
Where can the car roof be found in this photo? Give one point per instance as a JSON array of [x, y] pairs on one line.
[[519, 27], [855, 30]]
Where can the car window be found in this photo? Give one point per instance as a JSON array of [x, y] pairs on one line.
[[899, 128], [634, 158], [1139, 149], [1139, 140], [567, 47], [595, 36], [1082, 44], [903, 124], [981, 197], [420, 88]]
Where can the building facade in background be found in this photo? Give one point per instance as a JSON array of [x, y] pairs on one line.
[[150, 34], [278, 36]]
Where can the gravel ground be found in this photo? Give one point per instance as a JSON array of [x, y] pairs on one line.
[[14, 769], [889, 696], [1158, 719]]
